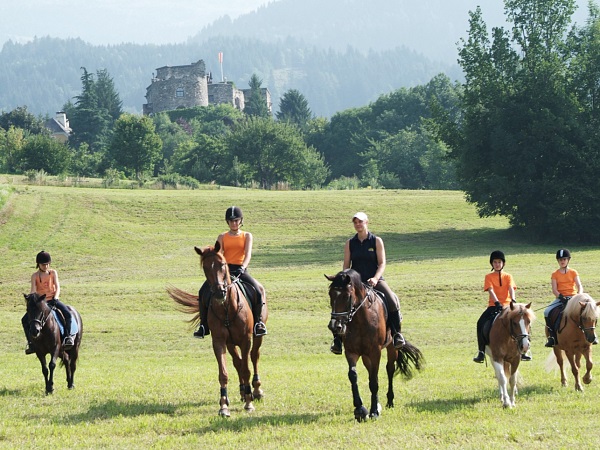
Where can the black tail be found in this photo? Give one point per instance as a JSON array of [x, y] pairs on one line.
[[409, 358]]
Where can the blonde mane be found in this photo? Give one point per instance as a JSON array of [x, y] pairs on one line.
[[590, 311]]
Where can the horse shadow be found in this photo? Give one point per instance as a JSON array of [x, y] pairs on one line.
[[242, 423]]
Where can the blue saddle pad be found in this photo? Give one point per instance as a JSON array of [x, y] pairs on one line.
[[61, 326]]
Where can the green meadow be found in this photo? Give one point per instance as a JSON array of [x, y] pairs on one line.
[[143, 381]]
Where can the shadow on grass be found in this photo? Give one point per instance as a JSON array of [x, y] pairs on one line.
[[11, 392], [243, 421], [448, 243]]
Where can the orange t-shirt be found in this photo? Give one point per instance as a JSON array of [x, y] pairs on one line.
[[234, 248], [45, 285], [492, 280], [565, 282]]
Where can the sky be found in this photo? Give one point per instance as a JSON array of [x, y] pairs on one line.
[[106, 22]]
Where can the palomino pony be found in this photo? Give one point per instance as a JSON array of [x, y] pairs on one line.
[[509, 339], [576, 334], [358, 316], [230, 322], [45, 334]]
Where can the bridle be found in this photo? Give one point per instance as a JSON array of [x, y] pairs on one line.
[[346, 316], [43, 319], [583, 328], [518, 338]]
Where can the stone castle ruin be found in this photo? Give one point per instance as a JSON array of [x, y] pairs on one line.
[[175, 87]]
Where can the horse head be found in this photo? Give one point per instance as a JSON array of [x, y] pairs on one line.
[[520, 317], [345, 287], [38, 312], [216, 270], [584, 311]]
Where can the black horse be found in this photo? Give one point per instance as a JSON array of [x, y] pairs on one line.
[[44, 330]]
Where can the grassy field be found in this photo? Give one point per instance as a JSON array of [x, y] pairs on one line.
[[144, 382]]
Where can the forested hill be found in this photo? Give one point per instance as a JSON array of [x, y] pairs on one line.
[[337, 53]]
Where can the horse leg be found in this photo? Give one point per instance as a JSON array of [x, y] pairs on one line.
[[502, 383], [219, 350], [237, 364], [587, 378], [360, 412], [46, 373], [240, 361], [254, 356], [512, 382], [390, 368], [560, 361], [372, 366], [574, 361]]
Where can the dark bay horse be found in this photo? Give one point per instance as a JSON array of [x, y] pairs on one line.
[[230, 322], [576, 334], [46, 339], [358, 316], [509, 339]]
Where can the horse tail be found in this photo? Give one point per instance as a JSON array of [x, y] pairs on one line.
[[551, 364], [188, 302], [409, 358]]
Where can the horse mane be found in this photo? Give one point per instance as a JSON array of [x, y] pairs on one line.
[[590, 311], [520, 308]]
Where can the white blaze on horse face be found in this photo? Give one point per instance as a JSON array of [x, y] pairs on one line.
[[524, 332]]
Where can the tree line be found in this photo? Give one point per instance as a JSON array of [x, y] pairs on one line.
[[519, 135]]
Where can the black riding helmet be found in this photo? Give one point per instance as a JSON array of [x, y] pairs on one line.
[[497, 254], [43, 258], [563, 253], [233, 212]]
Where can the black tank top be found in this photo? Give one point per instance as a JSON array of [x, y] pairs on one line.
[[363, 256]]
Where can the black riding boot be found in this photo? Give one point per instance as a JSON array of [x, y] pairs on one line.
[[396, 327], [260, 329], [29, 349], [69, 341], [203, 328], [551, 342], [336, 347]]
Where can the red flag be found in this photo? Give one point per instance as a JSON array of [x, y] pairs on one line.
[[220, 57]]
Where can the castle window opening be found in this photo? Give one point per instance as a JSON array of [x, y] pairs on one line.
[[179, 92]]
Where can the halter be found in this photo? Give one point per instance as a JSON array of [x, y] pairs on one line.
[[582, 327], [43, 320]]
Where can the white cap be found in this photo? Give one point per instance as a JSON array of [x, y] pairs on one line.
[[360, 216]]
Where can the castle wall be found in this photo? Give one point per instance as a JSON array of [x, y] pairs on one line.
[[226, 92], [177, 87]]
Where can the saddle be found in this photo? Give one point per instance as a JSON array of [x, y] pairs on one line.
[[556, 314], [487, 326]]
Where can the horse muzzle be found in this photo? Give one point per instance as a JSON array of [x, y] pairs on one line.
[[337, 327]]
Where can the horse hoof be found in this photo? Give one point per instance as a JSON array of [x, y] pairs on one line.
[[361, 414], [71, 387], [249, 407], [258, 394], [224, 412]]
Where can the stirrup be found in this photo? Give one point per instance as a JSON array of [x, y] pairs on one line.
[[399, 341], [260, 329], [525, 357], [68, 343], [551, 342], [29, 349], [201, 332], [336, 347], [480, 357]]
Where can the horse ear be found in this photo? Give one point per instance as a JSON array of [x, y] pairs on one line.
[[512, 306], [42, 297], [528, 305], [217, 246], [198, 250], [583, 304], [330, 278]]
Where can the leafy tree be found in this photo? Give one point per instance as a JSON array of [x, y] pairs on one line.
[[293, 108], [11, 149], [42, 152], [522, 148], [202, 158], [256, 104], [135, 146], [21, 118], [274, 153]]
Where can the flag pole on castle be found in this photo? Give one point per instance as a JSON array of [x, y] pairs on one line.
[[221, 64]]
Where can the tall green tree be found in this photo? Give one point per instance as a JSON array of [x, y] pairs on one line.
[[43, 152], [20, 117], [135, 146], [293, 108], [256, 103], [522, 143], [11, 149], [93, 115]]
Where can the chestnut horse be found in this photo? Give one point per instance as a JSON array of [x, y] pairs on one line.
[[509, 339], [576, 334], [46, 339], [230, 322], [358, 317]]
